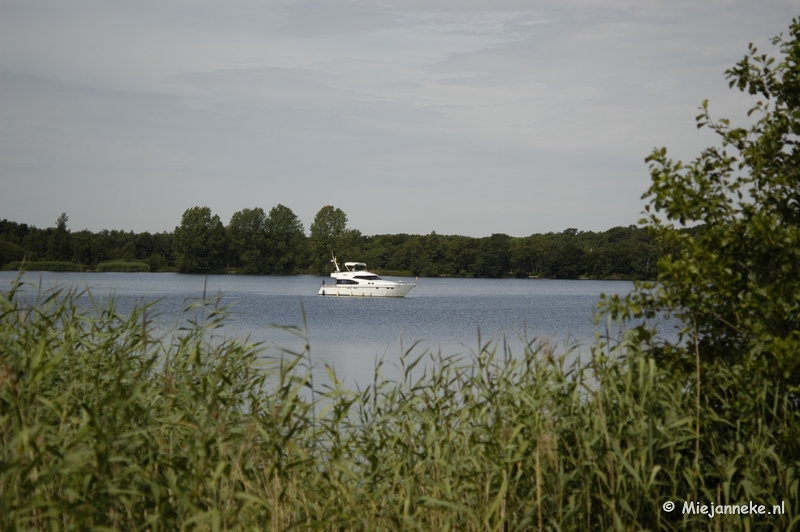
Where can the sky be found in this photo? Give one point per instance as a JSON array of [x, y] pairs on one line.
[[461, 117]]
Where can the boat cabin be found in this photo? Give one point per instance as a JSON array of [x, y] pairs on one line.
[[355, 280]]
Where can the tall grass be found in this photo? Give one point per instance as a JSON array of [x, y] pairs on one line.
[[105, 423], [45, 265], [122, 266]]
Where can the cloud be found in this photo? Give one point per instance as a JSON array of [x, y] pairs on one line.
[[477, 118]]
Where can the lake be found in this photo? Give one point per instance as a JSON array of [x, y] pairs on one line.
[[441, 314]]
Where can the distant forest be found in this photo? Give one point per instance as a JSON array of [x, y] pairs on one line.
[[257, 242]]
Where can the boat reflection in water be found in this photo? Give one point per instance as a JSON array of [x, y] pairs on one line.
[[356, 281]]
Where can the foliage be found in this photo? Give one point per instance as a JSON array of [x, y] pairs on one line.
[[59, 245], [262, 243], [736, 283], [123, 267], [286, 241], [103, 426], [157, 263], [82, 247], [276, 244], [10, 251], [200, 243], [106, 422], [88, 248], [619, 253], [49, 266], [247, 234], [328, 236]]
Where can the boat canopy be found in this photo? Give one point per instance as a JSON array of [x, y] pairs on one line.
[[355, 266]]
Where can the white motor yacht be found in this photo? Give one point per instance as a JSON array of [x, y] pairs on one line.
[[356, 281]]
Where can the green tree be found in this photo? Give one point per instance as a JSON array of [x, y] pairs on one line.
[[247, 233], [82, 247], [540, 252], [104, 246], [461, 255], [494, 255], [59, 245], [35, 243], [567, 257], [328, 236], [10, 252], [378, 251], [411, 256], [620, 252], [128, 251], [163, 248], [145, 244], [736, 284], [199, 242], [13, 232], [286, 241]]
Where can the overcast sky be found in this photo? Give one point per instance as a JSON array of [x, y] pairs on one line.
[[462, 117]]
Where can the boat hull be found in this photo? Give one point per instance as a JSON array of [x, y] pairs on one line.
[[398, 290]]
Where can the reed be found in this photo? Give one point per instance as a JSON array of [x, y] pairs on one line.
[[107, 423], [50, 266], [119, 266]]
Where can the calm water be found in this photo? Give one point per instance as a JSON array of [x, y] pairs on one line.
[[350, 333]]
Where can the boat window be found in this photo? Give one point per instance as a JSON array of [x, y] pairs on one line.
[[346, 281], [367, 277]]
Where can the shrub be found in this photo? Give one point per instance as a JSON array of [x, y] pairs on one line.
[[735, 284], [157, 263]]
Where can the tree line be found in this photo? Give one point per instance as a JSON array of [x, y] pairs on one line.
[[258, 242]]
